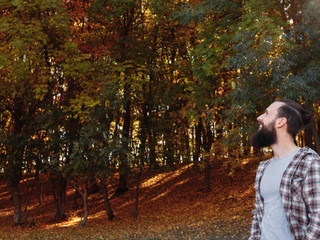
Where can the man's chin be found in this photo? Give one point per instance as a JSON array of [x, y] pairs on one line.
[[257, 141]]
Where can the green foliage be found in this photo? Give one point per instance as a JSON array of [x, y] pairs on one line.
[[302, 82], [272, 56], [93, 151], [32, 34]]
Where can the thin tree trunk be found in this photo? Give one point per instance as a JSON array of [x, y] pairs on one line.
[[16, 202], [152, 144], [187, 156], [84, 195], [55, 199], [16, 162], [63, 199], [198, 132], [143, 127], [106, 199], [169, 147], [124, 168], [123, 179], [24, 216], [151, 115], [37, 178], [59, 196], [208, 140], [151, 132], [135, 213]]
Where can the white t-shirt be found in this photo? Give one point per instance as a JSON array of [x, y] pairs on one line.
[[274, 222]]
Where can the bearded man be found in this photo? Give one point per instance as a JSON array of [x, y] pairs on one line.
[[287, 186]]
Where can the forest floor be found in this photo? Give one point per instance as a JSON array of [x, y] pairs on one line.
[[172, 205]]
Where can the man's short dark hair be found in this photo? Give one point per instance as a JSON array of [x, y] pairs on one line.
[[296, 116]]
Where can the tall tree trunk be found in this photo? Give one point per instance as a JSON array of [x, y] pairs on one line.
[[16, 202], [169, 147], [208, 140], [84, 195], [105, 193], [24, 217], [123, 179], [63, 198], [143, 129], [198, 133], [16, 168], [187, 155], [136, 213], [152, 145], [124, 168], [150, 107], [59, 185], [16, 152], [38, 180]]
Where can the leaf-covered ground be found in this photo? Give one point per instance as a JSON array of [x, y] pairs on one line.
[[173, 205]]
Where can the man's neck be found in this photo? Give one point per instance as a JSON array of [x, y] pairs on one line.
[[283, 148]]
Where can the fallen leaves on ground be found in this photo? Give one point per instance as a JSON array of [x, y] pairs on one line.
[[172, 205]]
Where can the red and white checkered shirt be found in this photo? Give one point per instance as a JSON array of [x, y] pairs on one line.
[[300, 194]]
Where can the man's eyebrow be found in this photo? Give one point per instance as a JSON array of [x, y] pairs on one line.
[[266, 111]]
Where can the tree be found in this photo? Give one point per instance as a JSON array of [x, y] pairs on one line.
[[124, 19], [93, 154], [29, 34]]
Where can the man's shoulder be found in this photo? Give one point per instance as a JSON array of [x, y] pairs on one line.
[[309, 158], [306, 151], [264, 163]]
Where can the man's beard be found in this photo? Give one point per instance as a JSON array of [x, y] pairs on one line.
[[264, 137]]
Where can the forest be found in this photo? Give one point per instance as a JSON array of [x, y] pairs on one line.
[[97, 94]]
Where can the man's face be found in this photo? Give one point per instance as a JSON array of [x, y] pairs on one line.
[[266, 134]]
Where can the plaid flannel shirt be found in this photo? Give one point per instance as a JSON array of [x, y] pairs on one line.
[[300, 194]]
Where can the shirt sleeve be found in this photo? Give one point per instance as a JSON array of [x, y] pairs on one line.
[[255, 229], [311, 191]]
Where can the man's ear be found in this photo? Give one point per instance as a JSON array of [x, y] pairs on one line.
[[281, 122]]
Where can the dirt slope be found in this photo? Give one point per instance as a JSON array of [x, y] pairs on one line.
[[172, 205]]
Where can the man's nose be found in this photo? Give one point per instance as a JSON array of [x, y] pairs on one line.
[[259, 119]]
